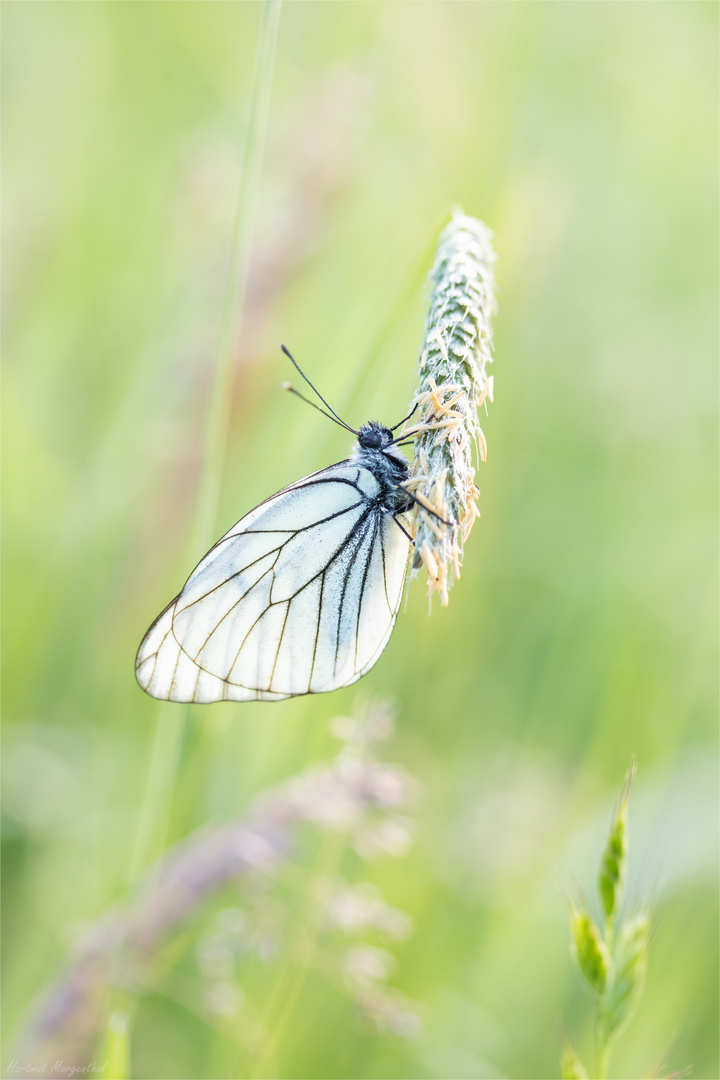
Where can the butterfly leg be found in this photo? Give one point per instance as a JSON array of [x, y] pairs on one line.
[[403, 529], [422, 505]]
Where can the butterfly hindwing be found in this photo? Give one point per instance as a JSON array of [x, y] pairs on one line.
[[300, 596]]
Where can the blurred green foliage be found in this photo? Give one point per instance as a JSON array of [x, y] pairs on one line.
[[584, 628]]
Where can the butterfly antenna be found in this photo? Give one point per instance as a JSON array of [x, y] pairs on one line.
[[405, 419], [338, 419], [292, 390], [410, 435]]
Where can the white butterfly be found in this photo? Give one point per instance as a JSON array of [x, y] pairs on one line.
[[300, 597]]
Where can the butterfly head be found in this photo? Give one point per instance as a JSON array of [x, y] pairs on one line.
[[375, 450], [374, 436]]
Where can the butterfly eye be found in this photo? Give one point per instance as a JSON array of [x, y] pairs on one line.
[[372, 439]]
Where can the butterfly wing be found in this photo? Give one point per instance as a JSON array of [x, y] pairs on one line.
[[299, 597]]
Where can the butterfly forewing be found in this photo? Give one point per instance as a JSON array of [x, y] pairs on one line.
[[299, 597]]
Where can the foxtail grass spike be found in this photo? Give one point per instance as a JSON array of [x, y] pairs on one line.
[[452, 384]]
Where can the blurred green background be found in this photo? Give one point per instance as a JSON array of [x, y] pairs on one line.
[[584, 628]]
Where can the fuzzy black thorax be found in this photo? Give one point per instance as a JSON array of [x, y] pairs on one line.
[[375, 451]]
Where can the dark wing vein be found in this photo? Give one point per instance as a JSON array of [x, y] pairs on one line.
[[348, 572], [279, 645], [317, 631], [288, 601], [382, 556], [304, 528], [253, 532], [221, 620], [377, 519]]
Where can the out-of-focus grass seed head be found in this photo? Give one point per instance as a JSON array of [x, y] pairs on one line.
[[630, 968], [614, 962], [571, 1067], [611, 876], [590, 950]]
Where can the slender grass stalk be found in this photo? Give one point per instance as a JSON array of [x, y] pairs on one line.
[[218, 419], [118, 1047], [603, 1059], [299, 957], [452, 384], [170, 728], [155, 808]]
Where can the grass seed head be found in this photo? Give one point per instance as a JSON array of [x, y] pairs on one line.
[[613, 864], [630, 967], [452, 383], [571, 1067], [590, 950]]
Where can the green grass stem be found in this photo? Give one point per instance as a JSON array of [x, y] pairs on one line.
[[118, 1047], [171, 722], [298, 958], [218, 417]]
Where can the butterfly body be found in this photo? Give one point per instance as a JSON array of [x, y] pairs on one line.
[[376, 453], [299, 597]]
